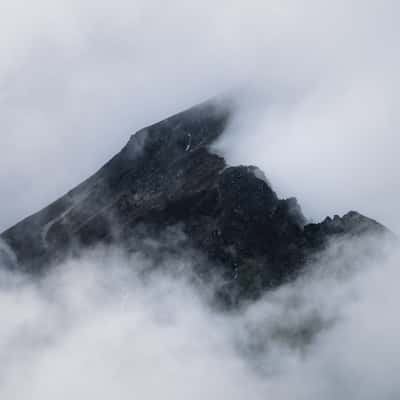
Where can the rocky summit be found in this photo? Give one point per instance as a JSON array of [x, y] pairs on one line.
[[167, 177]]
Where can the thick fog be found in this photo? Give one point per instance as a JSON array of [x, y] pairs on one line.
[[319, 115], [97, 327]]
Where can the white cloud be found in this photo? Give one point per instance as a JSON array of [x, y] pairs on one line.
[[96, 327]]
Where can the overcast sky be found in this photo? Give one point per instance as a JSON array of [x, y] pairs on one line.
[[77, 78]]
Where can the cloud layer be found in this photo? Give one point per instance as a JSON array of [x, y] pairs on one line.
[[98, 327]]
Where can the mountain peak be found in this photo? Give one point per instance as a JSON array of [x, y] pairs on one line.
[[166, 176]]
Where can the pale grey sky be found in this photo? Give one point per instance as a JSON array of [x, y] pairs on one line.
[[78, 77]]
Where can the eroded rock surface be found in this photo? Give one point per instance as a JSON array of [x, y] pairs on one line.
[[166, 176]]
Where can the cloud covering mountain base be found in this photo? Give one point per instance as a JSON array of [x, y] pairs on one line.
[[99, 327]]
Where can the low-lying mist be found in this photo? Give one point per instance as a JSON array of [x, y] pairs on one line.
[[99, 326]]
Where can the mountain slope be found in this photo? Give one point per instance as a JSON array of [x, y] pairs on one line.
[[166, 176]]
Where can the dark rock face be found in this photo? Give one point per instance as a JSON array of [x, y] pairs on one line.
[[166, 176]]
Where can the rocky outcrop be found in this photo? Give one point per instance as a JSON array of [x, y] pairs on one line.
[[167, 176]]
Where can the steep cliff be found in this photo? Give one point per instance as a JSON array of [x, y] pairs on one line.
[[166, 176]]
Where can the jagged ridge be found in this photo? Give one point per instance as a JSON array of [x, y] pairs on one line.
[[165, 176]]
